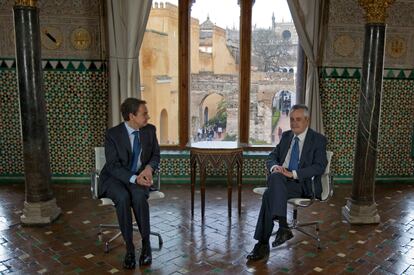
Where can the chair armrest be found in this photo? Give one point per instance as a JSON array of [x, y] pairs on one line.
[[331, 186], [156, 186], [94, 183]]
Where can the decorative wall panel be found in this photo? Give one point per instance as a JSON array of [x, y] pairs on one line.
[[345, 35], [76, 95], [340, 99]]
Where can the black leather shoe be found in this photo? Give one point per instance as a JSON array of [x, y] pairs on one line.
[[259, 252], [146, 255], [282, 235], [129, 260]]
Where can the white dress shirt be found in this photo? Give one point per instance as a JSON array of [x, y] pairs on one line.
[[131, 137], [301, 137]]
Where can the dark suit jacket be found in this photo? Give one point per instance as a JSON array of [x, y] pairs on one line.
[[312, 162], [118, 154]]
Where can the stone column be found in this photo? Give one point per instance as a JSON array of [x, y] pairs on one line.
[[40, 205], [361, 207]]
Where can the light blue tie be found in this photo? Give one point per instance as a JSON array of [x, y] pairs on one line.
[[136, 149], [294, 155]]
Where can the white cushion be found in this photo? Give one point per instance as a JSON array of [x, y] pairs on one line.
[[299, 201], [294, 201], [259, 190], [106, 201], [155, 195]]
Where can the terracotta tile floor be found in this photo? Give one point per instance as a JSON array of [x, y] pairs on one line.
[[217, 245]]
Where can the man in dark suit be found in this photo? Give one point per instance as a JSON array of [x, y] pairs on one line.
[[299, 158], [132, 154]]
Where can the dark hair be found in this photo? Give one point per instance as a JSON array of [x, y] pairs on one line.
[[130, 106], [300, 107]]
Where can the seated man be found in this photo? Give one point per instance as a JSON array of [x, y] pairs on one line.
[[299, 157], [132, 154]]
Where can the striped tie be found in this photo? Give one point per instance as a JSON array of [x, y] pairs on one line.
[[136, 149]]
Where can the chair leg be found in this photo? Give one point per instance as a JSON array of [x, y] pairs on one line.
[[299, 227], [134, 228], [160, 241], [108, 243], [112, 225]]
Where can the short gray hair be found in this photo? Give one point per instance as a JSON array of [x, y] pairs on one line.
[[300, 107]]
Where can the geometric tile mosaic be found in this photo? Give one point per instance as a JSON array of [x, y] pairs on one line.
[[177, 164], [76, 94], [339, 88], [77, 118], [11, 154], [335, 72], [397, 121], [60, 64], [76, 110], [339, 100]]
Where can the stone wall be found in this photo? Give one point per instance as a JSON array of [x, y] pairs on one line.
[[264, 86]]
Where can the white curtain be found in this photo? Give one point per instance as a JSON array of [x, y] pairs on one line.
[[309, 17], [127, 20]]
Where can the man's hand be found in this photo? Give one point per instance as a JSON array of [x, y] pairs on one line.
[[145, 177], [282, 170]]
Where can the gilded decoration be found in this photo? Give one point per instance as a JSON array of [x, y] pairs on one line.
[[396, 47], [344, 45], [30, 3], [375, 11]]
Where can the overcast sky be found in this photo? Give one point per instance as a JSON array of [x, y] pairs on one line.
[[225, 13]]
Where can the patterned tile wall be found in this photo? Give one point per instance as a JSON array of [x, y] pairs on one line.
[[76, 95], [11, 154], [340, 99], [177, 164]]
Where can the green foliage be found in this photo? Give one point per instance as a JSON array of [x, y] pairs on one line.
[[230, 138], [221, 117], [258, 142], [275, 119]]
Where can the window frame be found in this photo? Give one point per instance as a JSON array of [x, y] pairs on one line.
[[184, 55]]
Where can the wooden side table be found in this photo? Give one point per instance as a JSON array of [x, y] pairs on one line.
[[216, 157]]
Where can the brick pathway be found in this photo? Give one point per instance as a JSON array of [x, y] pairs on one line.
[[217, 245]]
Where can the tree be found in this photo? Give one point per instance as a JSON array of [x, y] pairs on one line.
[[271, 51], [220, 119]]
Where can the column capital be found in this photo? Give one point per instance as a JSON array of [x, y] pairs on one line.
[[28, 3], [375, 10]]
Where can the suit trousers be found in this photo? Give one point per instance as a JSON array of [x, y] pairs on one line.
[[125, 197], [274, 203]]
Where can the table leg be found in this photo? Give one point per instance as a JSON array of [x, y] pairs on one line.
[[229, 188], [193, 179], [239, 185], [203, 189]]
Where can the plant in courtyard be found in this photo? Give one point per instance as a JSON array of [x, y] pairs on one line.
[[258, 142], [230, 137], [275, 118], [220, 119]]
